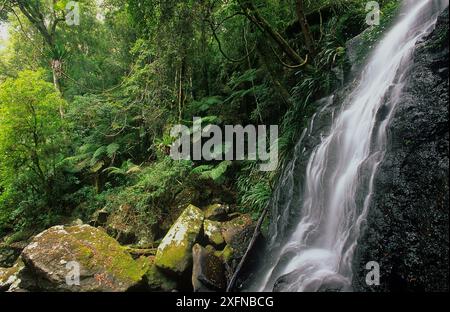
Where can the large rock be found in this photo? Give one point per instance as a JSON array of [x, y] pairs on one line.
[[157, 280], [217, 212], [10, 252], [104, 265], [407, 228], [213, 230], [208, 272], [233, 228], [10, 276], [175, 251]]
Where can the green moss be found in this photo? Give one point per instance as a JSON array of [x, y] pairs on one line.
[[18, 236], [239, 222], [157, 280], [102, 249], [176, 258], [175, 251], [95, 250], [8, 273], [226, 254], [213, 231]]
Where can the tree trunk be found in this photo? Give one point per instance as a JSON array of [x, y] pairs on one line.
[[205, 65], [309, 40], [181, 90], [57, 73], [269, 66]]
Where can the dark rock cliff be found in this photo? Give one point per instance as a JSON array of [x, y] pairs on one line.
[[407, 229]]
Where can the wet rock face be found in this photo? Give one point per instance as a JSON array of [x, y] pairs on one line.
[[407, 227], [103, 264]]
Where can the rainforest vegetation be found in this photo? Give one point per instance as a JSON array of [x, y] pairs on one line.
[[86, 107]]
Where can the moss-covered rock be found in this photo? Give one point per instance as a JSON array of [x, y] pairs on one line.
[[9, 253], [208, 273], [217, 212], [234, 227], [156, 279], [226, 254], [175, 251], [213, 230], [104, 265], [9, 276]]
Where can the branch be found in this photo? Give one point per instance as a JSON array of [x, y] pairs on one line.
[[24, 33], [230, 17], [3, 6], [309, 40], [214, 28], [36, 18], [254, 15], [287, 65]]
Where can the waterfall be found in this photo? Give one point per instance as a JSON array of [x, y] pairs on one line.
[[330, 204]]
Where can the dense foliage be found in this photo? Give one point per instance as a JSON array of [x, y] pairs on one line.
[[85, 110]]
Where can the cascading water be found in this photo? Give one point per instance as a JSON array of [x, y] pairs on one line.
[[337, 186]]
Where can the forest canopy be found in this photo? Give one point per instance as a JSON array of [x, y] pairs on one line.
[[87, 104]]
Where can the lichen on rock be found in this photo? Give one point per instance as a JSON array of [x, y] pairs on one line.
[[217, 212], [213, 230], [234, 227], [175, 251], [104, 265], [9, 276]]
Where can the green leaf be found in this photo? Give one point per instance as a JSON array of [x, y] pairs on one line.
[[112, 149], [99, 153]]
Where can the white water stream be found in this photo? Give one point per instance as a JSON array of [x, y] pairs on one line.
[[318, 254]]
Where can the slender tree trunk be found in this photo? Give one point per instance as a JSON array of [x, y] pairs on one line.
[[47, 29], [268, 64], [205, 74], [180, 92], [309, 40], [57, 73]]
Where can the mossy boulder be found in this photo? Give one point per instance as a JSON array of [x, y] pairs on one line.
[[233, 228], [217, 212], [156, 279], [226, 254], [175, 251], [104, 265], [9, 253], [213, 230], [9, 276], [208, 273]]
